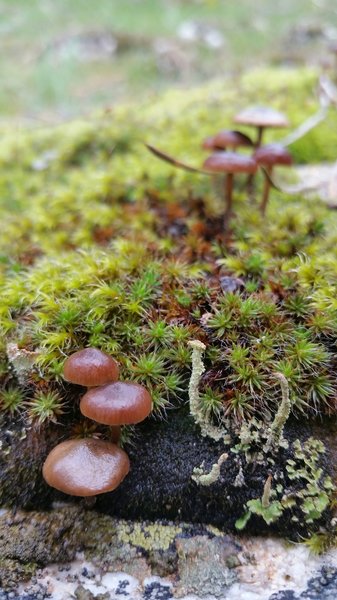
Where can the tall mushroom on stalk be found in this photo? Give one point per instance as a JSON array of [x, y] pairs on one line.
[[261, 117], [229, 163], [226, 163], [268, 157]]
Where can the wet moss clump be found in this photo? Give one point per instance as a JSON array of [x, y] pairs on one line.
[[105, 246]]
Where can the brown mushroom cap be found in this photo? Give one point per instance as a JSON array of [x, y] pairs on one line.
[[120, 403], [227, 138], [231, 138], [85, 467], [90, 367], [272, 154], [208, 143], [261, 116], [229, 162]]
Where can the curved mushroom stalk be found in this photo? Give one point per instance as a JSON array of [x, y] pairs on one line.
[[268, 156], [228, 199], [229, 163], [266, 189]]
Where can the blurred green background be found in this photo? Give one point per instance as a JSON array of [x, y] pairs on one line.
[[60, 58]]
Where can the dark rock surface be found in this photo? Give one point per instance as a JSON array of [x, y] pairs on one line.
[[159, 485]]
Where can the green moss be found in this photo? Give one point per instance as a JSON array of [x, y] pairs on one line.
[[104, 245]]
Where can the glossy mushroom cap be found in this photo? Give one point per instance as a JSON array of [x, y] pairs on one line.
[[120, 403], [208, 143], [273, 154], [229, 162], [261, 116], [230, 138], [86, 467], [227, 139], [90, 367]]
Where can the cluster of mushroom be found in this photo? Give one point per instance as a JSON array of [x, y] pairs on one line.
[[230, 162], [225, 160], [87, 467]]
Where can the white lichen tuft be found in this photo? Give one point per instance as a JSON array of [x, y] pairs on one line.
[[276, 429], [240, 478], [198, 368], [203, 478], [21, 360]]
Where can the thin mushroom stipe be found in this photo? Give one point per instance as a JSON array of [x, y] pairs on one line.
[[229, 163], [225, 163], [268, 157]]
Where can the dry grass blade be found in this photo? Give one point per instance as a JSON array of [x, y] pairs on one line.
[[298, 188], [173, 161], [328, 90], [305, 127]]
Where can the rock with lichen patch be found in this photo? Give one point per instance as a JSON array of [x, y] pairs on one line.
[[32, 540], [205, 565]]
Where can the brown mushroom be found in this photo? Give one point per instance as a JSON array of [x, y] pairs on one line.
[[90, 367], [229, 163], [85, 467], [261, 117], [268, 156], [227, 139], [119, 403], [208, 143]]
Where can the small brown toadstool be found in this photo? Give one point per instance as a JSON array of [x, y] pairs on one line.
[[229, 163], [268, 156], [261, 117], [119, 403], [227, 139], [90, 367], [85, 467]]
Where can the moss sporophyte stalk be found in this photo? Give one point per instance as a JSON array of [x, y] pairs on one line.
[[127, 255]]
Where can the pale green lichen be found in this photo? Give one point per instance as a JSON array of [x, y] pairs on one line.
[[149, 537], [276, 429], [198, 368], [203, 478]]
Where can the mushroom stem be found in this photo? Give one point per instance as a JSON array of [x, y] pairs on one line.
[[266, 189], [228, 198], [259, 136], [88, 502], [250, 186]]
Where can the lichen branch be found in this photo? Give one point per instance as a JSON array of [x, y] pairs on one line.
[[203, 478], [198, 368], [282, 415]]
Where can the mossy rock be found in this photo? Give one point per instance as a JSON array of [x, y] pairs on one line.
[[104, 245]]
